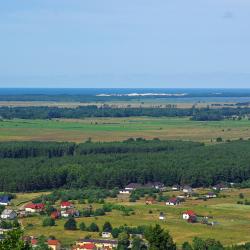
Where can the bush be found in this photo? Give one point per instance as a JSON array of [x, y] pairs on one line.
[[99, 212], [70, 224], [48, 222], [107, 227], [82, 226], [93, 227]]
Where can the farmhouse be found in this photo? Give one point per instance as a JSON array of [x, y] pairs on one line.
[[70, 212], [106, 235], [188, 215], [173, 202], [220, 187], [210, 195], [54, 244], [176, 187], [34, 208], [66, 205], [5, 200], [187, 190], [96, 244], [124, 191], [8, 214]]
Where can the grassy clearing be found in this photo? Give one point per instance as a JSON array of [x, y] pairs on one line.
[[115, 129], [233, 220]]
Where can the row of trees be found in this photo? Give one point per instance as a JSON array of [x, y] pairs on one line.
[[194, 165], [108, 111]]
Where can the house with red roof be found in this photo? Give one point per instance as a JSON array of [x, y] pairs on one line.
[[189, 214], [34, 208], [54, 244], [87, 246], [66, 205]]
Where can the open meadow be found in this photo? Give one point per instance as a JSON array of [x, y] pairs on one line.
[[232, 220], [117, 129]]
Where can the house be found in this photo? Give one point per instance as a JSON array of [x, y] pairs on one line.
[[150, 201], [210, 195], [54, 244], [187, 190], [106, 235], [5, 200], [188, 215], [124, 191], [162, 216], [87, 246], [34, 208], [8, 214], [132, 186], [173, 202], [176, 187], [70, 212], [156, 185], [220, 187], [66, 205], [55, 215], [99, 244]]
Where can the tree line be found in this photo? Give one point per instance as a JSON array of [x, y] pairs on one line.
[[186, 163], [197, 114]]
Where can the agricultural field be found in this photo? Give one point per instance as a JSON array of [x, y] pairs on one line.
[[117, 129], [232, 219]]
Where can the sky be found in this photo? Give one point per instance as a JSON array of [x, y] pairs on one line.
[[125, 43]]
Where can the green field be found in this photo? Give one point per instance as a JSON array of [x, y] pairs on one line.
[[233, 220], [116, 129]]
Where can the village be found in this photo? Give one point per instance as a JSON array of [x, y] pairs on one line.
[[157, 199]]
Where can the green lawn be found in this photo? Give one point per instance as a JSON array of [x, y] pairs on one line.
[[233, 220], [111, 129]]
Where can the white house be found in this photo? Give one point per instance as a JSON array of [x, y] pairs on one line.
[[8, 214], [188, 215], [124, 192], [187, 189], [106, 235]]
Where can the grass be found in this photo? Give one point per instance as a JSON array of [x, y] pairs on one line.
[[116, 129], [233, 219]]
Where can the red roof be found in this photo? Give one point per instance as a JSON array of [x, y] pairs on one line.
[[190, 213], [53, 242], [66, 204], [88, 246], [35, 206], [33, 242]]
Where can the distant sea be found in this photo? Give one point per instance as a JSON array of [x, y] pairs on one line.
[[121, 91]]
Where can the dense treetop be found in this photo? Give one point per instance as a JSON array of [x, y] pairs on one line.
[[109, 165]]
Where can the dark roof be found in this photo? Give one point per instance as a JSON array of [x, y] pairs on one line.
[[133, 185], [99, 241], [5, 198]]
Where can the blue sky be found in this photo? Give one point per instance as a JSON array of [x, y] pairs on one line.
[[125, 43]]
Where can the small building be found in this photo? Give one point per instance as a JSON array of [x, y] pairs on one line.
[[8, 214], [173, 202], [187, 189], [210, 195], [150, 201], [34, 208], [106, 235], [98, 243], [176, 187], [66, 205], [5, 200], [220, 187], [54, 244], [124, 191], [162, 216], [188, 215], [132, 186], [87, 246], [70, 212]]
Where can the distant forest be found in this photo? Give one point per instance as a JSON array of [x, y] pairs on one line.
[[202, 114], [29, 166]]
